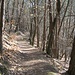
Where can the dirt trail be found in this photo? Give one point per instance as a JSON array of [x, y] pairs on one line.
[[28, 60]]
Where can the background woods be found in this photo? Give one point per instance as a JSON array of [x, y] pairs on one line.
[[48, 24]]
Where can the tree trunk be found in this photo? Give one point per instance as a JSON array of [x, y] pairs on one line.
[[56, 29], [19, 26], [44, 27], [33, 26], [50, 35], [1, 23], [37, 26], [71, 69], [12, 16]]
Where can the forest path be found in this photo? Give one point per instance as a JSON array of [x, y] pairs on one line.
[[28, 60]]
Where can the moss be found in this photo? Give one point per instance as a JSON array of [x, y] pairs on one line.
[[0, 74], [51, 73]]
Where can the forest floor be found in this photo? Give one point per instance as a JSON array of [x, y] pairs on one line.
[[23, 59]]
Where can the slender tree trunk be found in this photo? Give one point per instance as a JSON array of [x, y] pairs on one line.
[[33, 27], [12, 16], [19, 21], [50, 35], [34, 32], [30, 38], [57, 27], [7, 11], [1, 23], [63, 16], [44, 27], [17, 27], [71, 69], [37, 26]]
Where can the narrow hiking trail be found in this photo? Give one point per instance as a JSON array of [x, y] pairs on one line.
[[28, 60]]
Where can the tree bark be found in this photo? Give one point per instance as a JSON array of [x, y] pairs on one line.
[[1, 23], [71, 70], [12, 16], [44, 27], [37, 26]]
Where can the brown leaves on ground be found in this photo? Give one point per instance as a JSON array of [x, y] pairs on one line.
[[25, 60]]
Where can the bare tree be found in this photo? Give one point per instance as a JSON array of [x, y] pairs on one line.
[[71, 69], [1, 23], [44, 27]]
